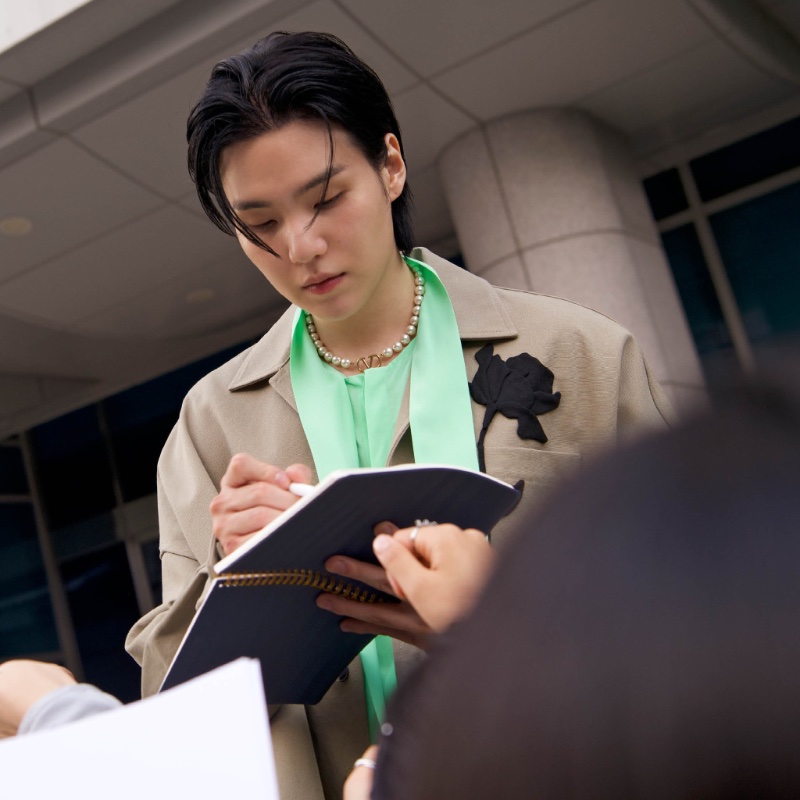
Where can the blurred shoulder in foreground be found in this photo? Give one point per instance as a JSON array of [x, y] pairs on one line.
[[650, 644]]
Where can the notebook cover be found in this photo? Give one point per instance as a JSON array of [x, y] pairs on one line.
[[301, 648]]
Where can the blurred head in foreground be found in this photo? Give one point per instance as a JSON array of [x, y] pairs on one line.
[[641, 639]]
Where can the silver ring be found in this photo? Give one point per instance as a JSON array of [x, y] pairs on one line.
[[364, 762], [420, 523]]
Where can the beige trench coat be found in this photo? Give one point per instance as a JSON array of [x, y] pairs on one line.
[[247, 405]]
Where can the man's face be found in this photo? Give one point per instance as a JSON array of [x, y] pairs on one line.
[[333, 266]]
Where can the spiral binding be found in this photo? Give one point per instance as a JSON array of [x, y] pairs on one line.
[[301, 577]]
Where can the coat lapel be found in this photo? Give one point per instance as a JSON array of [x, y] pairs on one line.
[[268, 360], [479, 313]]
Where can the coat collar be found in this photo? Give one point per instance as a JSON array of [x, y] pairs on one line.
[[479, 313]]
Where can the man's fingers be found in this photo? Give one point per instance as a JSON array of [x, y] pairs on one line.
[[244, 469], [230, 500], [403, 569], [299, 473], [239, 527], [398, 620], [248, 520], [371, 574], [252, 494], [386, 527]]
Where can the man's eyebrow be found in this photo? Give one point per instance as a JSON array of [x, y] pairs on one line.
[[317, 180], [320, 179], [248, 205]]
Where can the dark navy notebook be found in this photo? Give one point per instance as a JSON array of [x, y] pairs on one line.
[[262, 602]]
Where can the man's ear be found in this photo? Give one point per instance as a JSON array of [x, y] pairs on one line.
[[394, 168]]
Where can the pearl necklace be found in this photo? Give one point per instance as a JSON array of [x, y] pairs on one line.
[[375, 359]]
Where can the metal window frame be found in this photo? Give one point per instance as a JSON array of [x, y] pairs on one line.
[[698, 214]]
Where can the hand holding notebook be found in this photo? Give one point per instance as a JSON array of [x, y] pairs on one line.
[[251, 495], [441, 572], [263, 602]]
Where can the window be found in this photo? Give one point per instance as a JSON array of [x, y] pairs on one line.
[[755, 248]]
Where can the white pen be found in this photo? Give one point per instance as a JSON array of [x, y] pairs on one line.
[[301, 489]]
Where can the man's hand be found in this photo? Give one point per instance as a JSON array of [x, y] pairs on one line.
[[22, 683], [398, 620], [441, 573], [437, 578], [251, 495]]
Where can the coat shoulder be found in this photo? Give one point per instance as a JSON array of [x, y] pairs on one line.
[[565, 320], [215, 384]]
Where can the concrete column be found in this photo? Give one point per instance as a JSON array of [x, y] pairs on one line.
[[549, 200]]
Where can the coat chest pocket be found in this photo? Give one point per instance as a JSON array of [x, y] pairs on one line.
[[535, 467], [541, 471]]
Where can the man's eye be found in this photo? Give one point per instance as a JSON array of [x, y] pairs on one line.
[[328, 201]]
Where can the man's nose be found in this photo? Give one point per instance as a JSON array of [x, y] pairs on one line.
[[305, 244]]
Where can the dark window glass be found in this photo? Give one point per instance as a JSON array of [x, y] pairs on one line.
[[750, 160], [140, 419], [696, 289], [700, 303], [136, 452], [103, 606], [665, 194], [21, 567], [12, 471], [760, 244], [93, 533], [73, 467], [26, 616], [163, 395], [17, 523], [27, 626]]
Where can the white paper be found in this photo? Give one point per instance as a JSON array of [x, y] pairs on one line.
[[208, 738]]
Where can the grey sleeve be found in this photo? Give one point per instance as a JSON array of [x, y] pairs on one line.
[[67, 704]]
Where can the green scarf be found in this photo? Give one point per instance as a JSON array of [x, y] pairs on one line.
[[440, 416]]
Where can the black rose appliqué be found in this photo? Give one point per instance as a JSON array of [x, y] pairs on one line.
[[520, 388]]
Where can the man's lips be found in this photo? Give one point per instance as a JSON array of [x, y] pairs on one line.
[[320, 284]]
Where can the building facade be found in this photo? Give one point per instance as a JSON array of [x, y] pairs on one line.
[[641, 161]]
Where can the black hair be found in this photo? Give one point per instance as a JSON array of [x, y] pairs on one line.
[[283, 78]]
